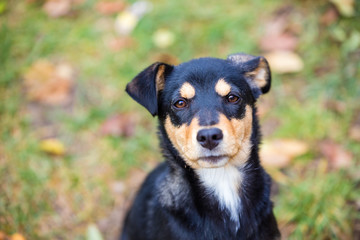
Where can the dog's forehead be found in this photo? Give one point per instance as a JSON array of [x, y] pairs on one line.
[[203, 74]]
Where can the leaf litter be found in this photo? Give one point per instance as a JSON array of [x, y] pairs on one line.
[[49, 83]]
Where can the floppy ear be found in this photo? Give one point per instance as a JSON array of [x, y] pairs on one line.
[[145, 86], [256, 71]]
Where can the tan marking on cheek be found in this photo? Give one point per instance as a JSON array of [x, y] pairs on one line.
[[242, 129], [222, 87], [182, 139], [160, 80], [187, 90]]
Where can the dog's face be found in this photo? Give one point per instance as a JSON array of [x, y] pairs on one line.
[[206, 105]]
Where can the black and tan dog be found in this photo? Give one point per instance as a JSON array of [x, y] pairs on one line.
[[211, 185]]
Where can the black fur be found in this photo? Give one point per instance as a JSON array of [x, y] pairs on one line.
[[172, 202]]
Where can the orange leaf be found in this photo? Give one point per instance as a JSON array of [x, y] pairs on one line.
[[279, 153], [337, 156], [49, 83], [17, 236]]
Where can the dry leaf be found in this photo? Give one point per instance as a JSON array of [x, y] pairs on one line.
[[93, 233], [125, 23], [335, 106], [284, 61], [127, 20], [329, 17], [17, 236], [48, 83], [279, 153], [120, 43], [108, 8], [337, 156], [354, 131], [345, 7], [163, 38], [57, 8], [120, 125], [2, 236], [281, 31], [283, 41], [52, 146]]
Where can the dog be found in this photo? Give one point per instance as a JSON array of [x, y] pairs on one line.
[[211, 184]]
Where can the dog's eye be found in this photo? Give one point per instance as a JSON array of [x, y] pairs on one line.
[[181, 103], [231, 98]]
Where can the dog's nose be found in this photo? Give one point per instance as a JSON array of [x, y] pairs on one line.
[[209, 138]]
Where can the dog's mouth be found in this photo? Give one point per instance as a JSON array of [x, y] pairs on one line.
[[213, 161]]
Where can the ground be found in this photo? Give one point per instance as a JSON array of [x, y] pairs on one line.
[[74, 147]]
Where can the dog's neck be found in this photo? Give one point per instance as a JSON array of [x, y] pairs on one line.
[[224, 184]]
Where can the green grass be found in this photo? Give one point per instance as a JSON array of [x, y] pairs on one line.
[[48, 197], [317, 205]]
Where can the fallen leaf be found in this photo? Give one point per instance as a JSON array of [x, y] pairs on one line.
[[127, 20], [52, 146], [335, 106], [337, 156], [354, 131], [118, 187], [57, 8], [125, 23], [93, 233], [48, 83], [279, 153], [163, 38], [284, 61], [329, 17], [108, 8], [283, 41], [120, 43], [2, 236], [345, 7], [281, 31], [120, 125], [17, 236]]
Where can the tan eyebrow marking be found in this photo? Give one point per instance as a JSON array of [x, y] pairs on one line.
[[187, 90], [222, 87]]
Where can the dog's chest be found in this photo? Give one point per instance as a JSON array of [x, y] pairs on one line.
[[224, 184]]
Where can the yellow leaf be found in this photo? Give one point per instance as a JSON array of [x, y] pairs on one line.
[[93, 233], [17, 236], [279, 153], [284, 61], [126, 22], [52, 146], [163, 38], [345, 7]]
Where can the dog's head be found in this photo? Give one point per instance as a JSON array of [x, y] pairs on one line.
[[205, 105]]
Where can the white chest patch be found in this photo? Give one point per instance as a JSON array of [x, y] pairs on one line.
[[223, 182]]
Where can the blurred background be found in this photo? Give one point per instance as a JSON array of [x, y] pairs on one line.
[[74, 147]]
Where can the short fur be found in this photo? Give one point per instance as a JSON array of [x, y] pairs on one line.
[[210, 186]]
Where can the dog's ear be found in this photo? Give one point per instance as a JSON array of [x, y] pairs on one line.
[[145, 86], [256, 71]]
